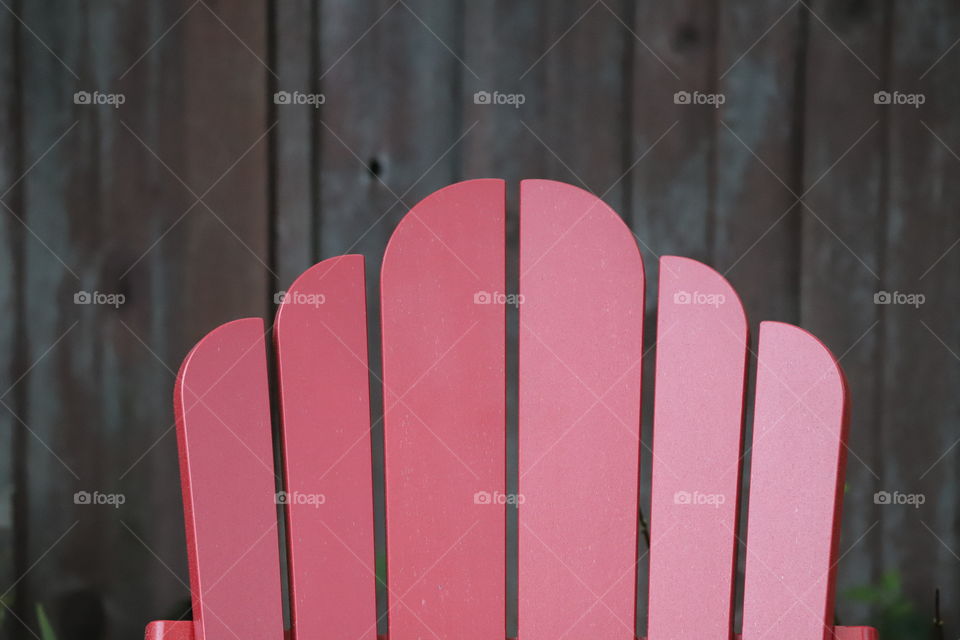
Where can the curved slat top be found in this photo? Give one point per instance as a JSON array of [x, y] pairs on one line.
[[796, 485], [444, 430], [321, 342], [697, 442], [222, 408], [581, 321]]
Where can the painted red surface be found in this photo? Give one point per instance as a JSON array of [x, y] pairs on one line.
[[170, 630], [796, 487], [222, 407], [444, 429], [697, 441], [321, 343], [581, 326], [443, 325]]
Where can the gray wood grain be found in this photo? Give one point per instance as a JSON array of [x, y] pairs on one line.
[[118, 183], [756, 238], [11, 435], [921, 373], [842, 242], [294, 177], [585, 109]]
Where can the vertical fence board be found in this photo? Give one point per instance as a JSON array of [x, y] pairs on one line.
[[918, 425], [100, 200], [755, 244], [586, 103], [501, 42], [10, 234], [294, 178], [841, 239], [389, 134], [672, 187], [62, 446]]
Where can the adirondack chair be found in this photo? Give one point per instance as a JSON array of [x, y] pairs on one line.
[[580, 350]]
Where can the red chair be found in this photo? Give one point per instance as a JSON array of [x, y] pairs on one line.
[[581, 311]]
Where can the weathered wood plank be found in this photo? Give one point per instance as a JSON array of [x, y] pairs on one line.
[[672, 185], [100, 200], [756, 237], [384, 143], [294, 179], [10, 318], [920, 405], [841, 259], [585, 97]]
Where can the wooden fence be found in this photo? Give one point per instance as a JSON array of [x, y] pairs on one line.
[[153, 187]]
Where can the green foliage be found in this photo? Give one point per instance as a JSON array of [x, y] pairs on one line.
[[897, 618], [46, 629]]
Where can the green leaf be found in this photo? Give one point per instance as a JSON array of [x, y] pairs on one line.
[[46, 629]]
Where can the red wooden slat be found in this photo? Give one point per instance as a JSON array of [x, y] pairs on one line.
[[796, 485], [443, 371], [321, 340], [840, 633], [170, 630], [581, 322], [222, 409], [697, 442]]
